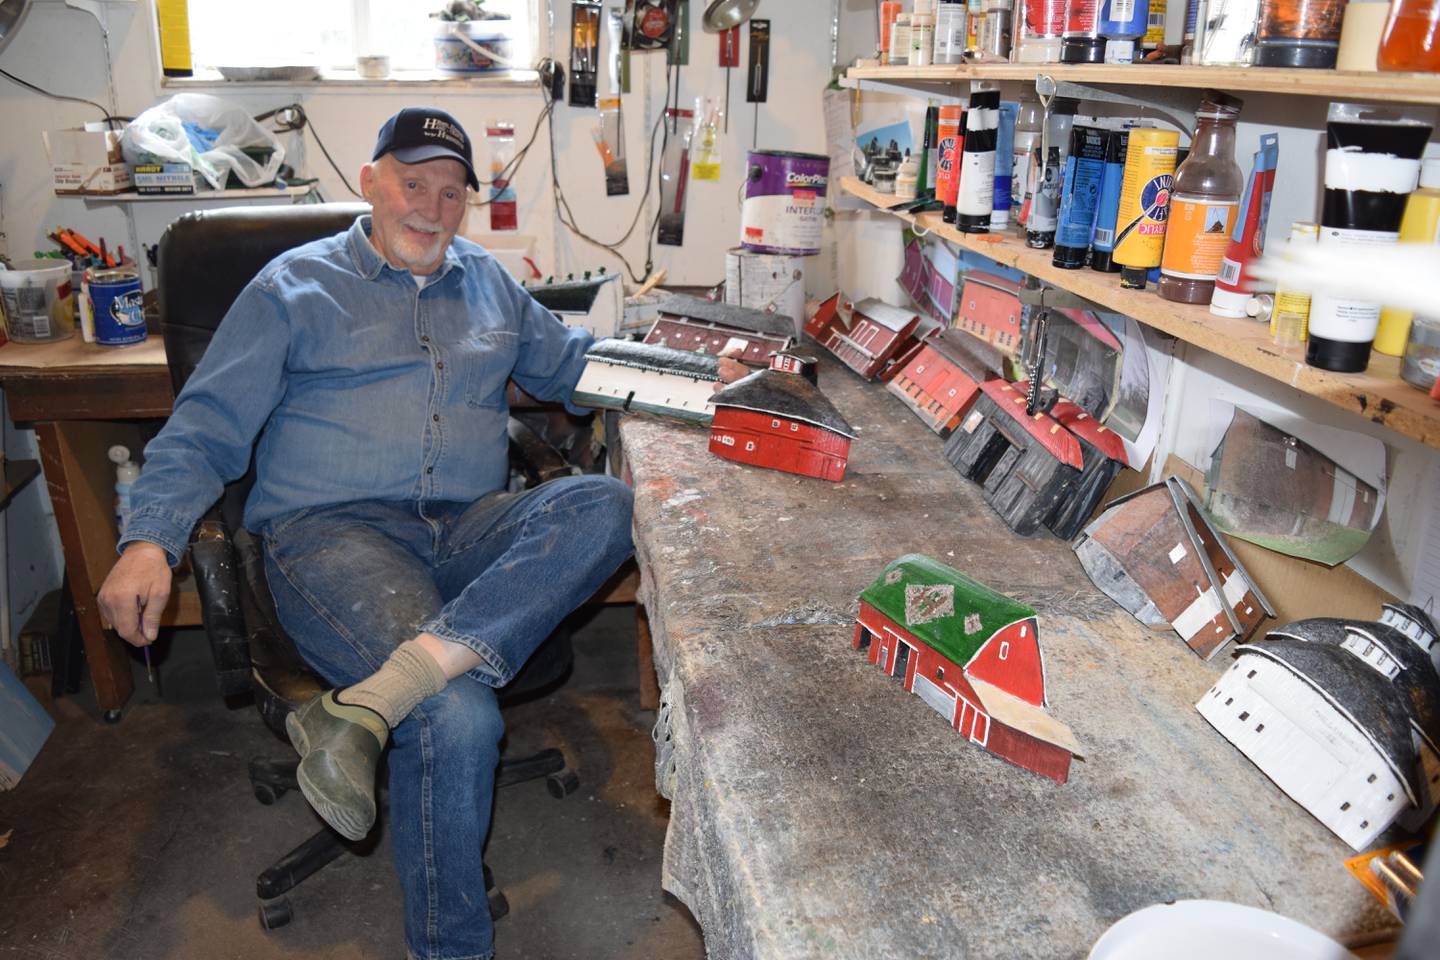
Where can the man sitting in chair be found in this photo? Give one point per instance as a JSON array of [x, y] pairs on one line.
[[372, 367]]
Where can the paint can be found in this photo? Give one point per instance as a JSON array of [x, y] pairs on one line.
[[758, 280], [35, 298], [784, 207], [116, 309]]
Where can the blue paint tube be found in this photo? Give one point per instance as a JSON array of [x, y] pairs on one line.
[[1004, 172], [1122, 23], [1084, 173], [1107, 211]]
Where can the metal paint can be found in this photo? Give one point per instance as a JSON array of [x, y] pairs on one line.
[[761, 280], [116, 309], [784, 207]]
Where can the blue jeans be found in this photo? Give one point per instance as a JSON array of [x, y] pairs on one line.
[[352, 582]]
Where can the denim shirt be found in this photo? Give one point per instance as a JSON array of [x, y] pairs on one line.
[[361, 385]]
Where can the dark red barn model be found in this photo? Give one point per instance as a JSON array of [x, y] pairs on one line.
[[990, 309], [880, 335], [939, 383], [973, 655], [779, 419], [707, 326]]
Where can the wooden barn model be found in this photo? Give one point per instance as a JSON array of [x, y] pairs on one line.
[[779, 419], [970, 653], [1050, 469], [708, 326], [990, 309], [645, 378], [596, 302], [939, 383], [879, 336], [832, 313], [1342, 715], [1155, 553]]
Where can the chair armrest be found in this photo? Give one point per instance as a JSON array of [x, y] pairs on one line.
[[212, 557]]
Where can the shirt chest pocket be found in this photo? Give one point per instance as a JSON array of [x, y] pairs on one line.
[[485, 363]]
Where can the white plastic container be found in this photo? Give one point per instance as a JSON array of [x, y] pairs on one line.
[[36, 299]]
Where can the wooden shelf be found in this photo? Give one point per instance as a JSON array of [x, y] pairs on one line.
[[203, 196], [1379, 395], [1346, 84]]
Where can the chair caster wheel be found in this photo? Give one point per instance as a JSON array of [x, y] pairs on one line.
[[267, 793], [562, 784], [111, 716], [499, 906], [275, 913]]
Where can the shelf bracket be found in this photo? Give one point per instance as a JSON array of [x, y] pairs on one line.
[[1174, 104]]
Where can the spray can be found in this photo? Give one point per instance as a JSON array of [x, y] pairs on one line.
[[1084, 172], [952, 19], [1144, 203], [994, 33], [1107, 210]]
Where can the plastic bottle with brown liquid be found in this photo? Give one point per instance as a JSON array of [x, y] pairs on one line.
[[1203, 205]]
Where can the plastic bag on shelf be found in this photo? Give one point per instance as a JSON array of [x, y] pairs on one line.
[[214, 137]]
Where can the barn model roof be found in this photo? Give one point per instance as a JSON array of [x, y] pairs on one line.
[[1356, 692], [974, 357], [953, 613], [727, 315], [570, 296], [653, 357], [786, 395], [887, 315], [1052, 436]]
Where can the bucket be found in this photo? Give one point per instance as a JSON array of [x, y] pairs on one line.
[[35, 297], [494, 38], [784, 206], [757, 280]]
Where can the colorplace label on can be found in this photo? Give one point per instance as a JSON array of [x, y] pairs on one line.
[[784, 209]]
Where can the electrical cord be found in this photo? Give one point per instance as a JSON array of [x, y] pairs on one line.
[[291, 118], [106, 114]]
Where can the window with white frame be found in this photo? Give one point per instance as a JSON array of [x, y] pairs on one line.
[[330, 34]]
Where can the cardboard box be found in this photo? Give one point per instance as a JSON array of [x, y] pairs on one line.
[[177, 178], [87, 160]]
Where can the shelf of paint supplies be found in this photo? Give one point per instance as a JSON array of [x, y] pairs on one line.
[[1378, 394], [1338, 84]]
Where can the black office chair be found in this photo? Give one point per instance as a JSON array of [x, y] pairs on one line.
[[205, 260]]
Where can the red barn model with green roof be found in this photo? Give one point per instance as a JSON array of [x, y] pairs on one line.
[[970, 653]]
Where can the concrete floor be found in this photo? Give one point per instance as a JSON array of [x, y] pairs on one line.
[[141, 841]]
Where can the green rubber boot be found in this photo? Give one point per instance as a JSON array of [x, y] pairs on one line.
[[339, 746]]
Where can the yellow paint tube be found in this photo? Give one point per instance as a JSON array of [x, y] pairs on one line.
[[1144, 203]]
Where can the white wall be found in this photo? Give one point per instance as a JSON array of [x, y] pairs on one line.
[[63, 50]]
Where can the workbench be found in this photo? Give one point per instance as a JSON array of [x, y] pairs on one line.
[[819, 810]]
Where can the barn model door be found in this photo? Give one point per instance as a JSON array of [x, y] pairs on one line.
[[973, 723], [902, 660]]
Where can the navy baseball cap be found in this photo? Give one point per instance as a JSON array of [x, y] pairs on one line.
[[417, 134]]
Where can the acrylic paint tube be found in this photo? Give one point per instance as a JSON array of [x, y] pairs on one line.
[[1027, 138], [1155, 28], [1084, 172], [1372, 163], [1144, 203], [1102, 241], [976, 197], [1247, 239], [1004, 150], [1044, 213], [1122, 24], [947, 169]]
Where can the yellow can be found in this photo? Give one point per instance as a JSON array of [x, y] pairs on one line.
[[1420, 224]]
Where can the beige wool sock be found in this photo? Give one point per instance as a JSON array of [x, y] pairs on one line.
[[407, 677]]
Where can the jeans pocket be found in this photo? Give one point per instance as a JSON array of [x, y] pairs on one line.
[[486, 362]]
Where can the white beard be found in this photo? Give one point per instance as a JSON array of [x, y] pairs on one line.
[[415, 252]]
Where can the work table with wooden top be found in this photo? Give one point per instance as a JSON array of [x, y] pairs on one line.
[[819, 810]]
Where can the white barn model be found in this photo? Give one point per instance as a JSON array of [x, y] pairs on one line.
[[649, 379], [1344, 716]]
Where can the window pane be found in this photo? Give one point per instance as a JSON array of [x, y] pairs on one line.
[[405, 30], [270, 33]]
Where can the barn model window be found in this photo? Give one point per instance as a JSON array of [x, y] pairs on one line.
[[794, 428], [749, 444], [1372, 653], [1004, 649]]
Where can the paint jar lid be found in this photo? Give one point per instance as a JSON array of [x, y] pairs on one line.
[[1103, 261], [1119, 51], [1082, 50], [1069, 258], [1229, 303], [974, 223], [1430, 173], [1297, 52], [1341, 356]]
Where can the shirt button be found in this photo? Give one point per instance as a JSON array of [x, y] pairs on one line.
[[435, 417], [425, 338], [429, 469], [440, 365]]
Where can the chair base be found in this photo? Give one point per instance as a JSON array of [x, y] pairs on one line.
[[271, 779]]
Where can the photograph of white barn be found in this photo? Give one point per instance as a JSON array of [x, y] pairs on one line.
[[1342, 715]]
